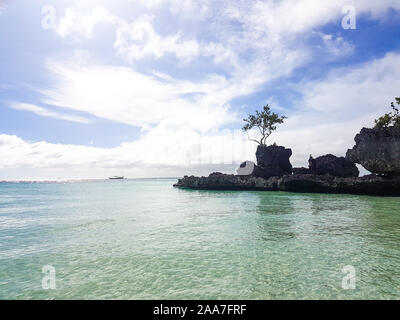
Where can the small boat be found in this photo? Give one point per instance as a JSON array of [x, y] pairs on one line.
[[116, 178]]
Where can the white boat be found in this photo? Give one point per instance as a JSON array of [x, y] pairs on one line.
[[116, 178]]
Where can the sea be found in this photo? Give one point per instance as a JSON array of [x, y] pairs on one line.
[[145, 239]]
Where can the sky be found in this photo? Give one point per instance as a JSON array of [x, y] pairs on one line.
[[159, 88]]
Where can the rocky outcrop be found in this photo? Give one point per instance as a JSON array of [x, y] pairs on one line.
[[368, 185], [335, 166], [377, 150], [219, 181], [272, 161]]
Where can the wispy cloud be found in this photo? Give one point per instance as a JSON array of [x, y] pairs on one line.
[[121, 94], [46, 112]]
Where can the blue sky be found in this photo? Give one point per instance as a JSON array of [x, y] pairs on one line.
[[159, 88]]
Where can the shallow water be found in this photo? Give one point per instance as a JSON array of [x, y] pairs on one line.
[[144, 239]]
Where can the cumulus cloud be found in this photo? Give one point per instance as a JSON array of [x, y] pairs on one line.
[[183, 149], [134, 40]]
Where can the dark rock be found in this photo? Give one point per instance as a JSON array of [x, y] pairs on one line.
[[301, 170], [272, 161], [377, 150], [335, 166], [267, 172], [368, 185], [217, 181], [306, 183]]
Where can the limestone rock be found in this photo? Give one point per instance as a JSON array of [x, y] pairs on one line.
[[335, 166], [273, 161], [377, 150]]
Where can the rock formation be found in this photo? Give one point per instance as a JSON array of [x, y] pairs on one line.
[[220, 181], [335, 166], [368, 185], [272, 161], [377, 150]]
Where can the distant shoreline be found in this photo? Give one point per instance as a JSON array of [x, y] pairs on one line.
[[77, 180]]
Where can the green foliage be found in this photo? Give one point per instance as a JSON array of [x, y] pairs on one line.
[[391, 119], [265, 121]]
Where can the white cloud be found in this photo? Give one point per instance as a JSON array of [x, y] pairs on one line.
[[348, 92], [134, 40], [280, 28], [41, 154], [47, 113], [139, 39], [271, 27], [336, 46], [124, 95], [74, 22], [274, 18], [180, 151]]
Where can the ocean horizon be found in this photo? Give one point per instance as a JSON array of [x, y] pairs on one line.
[[76, 180]]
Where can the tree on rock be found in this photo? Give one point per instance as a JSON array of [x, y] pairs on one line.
[[265, 121], [391, 119]]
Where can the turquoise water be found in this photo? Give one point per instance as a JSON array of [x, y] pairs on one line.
[[144, 239]]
